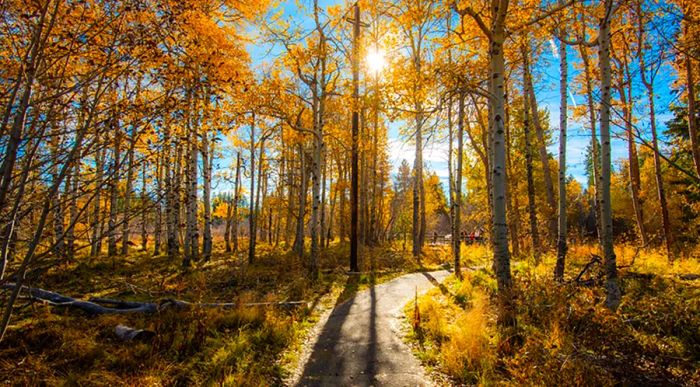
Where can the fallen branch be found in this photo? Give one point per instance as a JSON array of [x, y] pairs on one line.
[[594, 260], [98, 305], [89, 307]]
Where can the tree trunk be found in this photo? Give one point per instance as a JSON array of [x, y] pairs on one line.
[[648, 81], [342, 231], [171, 171], [96, 240], [594, 140], [690, 89], [128, 192], [251, 216], [324, 179], [236, 199], [114, 189], [158, 231], [33, 244], [207, 161], [333, 188], [534, 231], [665, 218], [450, 174], [501, 253], [457, 222], [354, 189], [614, 293], [635, 182], [288, 223], [418, 233], [315, 202], [511, 200], [563, 117], [259, 219], [73, 210], [544, 156], [299, 238], [57, 202], [144, 206], [31, 66], [229, 219], [192, 228], [374, 214]]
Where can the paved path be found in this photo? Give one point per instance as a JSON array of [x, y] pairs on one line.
[[360, 345]]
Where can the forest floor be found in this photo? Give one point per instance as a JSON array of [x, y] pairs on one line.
[[245, 345], [564, 335]]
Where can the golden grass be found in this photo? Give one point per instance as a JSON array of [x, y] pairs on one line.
[[564, 335], [240, 346]]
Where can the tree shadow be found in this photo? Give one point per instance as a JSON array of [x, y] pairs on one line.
[[337, 357]]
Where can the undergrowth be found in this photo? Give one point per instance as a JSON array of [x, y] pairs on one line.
[[564, 335], [247, 345]]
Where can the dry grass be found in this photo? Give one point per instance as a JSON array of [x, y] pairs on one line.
[[240, 346], [564, 335]]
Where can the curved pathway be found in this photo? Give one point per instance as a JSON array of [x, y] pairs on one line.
[[360, 343]]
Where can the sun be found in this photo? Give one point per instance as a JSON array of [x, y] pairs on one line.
[[375, 60]]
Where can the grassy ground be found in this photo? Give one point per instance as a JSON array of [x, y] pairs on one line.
[[246, 345], [564, 336]]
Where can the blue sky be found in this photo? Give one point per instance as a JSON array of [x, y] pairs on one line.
[[547, 88]]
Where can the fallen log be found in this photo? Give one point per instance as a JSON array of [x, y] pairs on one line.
[[89, 307], [126, 333], [99, 305]]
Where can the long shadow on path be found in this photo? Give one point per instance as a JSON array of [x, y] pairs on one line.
[[359, 345]]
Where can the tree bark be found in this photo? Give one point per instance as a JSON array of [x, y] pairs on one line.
[[96, 240], [158, 230], [648, 81], [612, 285], [114, 190], [635, 181], [511, 200], [418, 233], [57, 201], [236, 199], [498, 176], [73, 210], [563, 118], [690, 89], [588, 86], [31, 64], [251, 216], [544, 156], [315, 202], [192, 228], [229, 220], [171, 171], [207, 161], [457, 223], [128, 192], [354, 190], [144, 212], [299, 238], [534, 231]]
